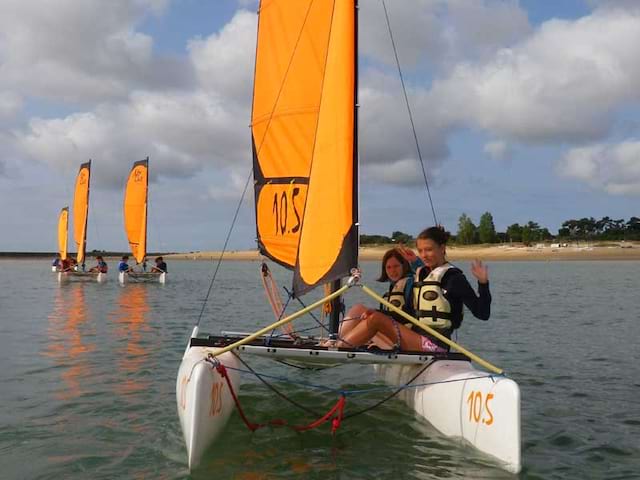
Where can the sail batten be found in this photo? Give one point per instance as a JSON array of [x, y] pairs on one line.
[[304, 139], [135, 209], [81, 210]]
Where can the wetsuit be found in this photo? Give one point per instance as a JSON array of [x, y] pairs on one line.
[[459, 292]]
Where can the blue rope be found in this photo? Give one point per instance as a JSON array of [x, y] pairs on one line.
[[361, 391]]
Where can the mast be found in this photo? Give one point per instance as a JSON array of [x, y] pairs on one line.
[[86, 217], [146, 215], [337, 305]]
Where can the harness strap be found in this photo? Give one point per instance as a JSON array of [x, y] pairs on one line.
[[425, 283], [434, 314]]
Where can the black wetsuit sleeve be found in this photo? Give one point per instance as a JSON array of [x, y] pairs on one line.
[[480, 305]]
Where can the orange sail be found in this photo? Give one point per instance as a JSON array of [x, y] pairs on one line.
[[135, 209], [63, 227], [304, 138], [81, 210]]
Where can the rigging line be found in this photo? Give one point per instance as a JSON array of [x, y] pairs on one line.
[[392, 394], [275, 390], [406, 99], [224, 247]]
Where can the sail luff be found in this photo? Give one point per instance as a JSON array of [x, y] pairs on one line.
[[332, 188], [63, 233], [135, 208], [81, 210]]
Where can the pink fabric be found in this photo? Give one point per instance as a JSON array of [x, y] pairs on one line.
[[429, 346]]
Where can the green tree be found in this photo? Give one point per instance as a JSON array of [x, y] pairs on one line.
[[514, 233], [466, 230], [486, 229], [400, 237]]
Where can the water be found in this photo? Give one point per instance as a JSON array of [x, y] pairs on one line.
[[88, 380]]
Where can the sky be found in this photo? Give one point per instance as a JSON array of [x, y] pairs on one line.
[[526, 109]]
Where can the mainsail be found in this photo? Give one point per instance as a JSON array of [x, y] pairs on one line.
[[135, 209], [81, 210], [304, 138], [63, 226]]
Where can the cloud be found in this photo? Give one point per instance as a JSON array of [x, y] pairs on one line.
[[564, 83], [439, 32], [183, 131], [224, 62], [612, 168], [498, 150], [82, 51], [10, 105]]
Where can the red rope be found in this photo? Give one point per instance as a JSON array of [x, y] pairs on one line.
[[336, 412]]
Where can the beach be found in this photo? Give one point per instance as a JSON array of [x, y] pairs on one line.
[[508, 253]]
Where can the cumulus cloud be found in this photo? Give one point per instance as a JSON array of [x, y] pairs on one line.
[[183, 131], [612, 168], [81, 51], [564, 83], [224, 62], [439, 32]]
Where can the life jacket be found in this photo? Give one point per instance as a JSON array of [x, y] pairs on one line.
[[431, 306], [395, 296]]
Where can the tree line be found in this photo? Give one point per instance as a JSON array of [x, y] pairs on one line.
[[485, 232]]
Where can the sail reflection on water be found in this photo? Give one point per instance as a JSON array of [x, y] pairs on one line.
[[68, 330], [129, 321]]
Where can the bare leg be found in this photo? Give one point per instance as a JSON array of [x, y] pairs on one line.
[[376, 322], [352, 318]]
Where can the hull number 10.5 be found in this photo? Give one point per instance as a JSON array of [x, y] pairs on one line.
[[479, 408]]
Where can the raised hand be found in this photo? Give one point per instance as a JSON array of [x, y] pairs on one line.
[[407, 253], [480, 271]]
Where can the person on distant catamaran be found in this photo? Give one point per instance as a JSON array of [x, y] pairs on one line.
[[57, 262], [439, 292], [123, 266], [101, 266], [396, 270], [65, 265], [160, 266]]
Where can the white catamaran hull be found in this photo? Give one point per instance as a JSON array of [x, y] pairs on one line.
[[484, 411], [124, 277], [458, 400], [204, 400], [82, 277]]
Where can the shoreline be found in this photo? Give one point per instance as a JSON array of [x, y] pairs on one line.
[[490, 253], [498, 253]]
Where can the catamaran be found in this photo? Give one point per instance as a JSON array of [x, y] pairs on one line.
[[80, 219], [135, 223], [305, 163]]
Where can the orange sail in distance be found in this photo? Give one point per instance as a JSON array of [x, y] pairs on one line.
[[63, 226], [81, 210], [303, 129], [135, 209]]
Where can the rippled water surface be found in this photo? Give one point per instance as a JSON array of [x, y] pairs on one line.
[[88, 380]]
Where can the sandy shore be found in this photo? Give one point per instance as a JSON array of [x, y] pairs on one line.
[[488, 253]]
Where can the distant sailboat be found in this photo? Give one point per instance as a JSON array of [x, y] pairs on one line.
[[80, 220], [135, 222], [63, 236]]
